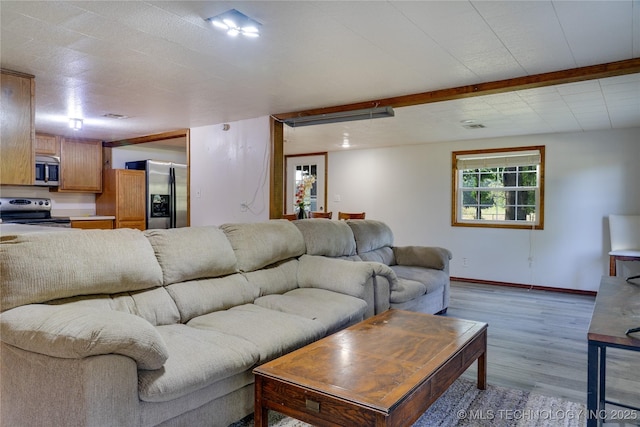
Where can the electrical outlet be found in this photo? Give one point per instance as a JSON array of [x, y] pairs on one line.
[[465, 262], [337, 198], [198, 193]]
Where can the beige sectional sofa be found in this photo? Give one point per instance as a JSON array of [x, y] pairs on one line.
[[422, 272], [163, 327]]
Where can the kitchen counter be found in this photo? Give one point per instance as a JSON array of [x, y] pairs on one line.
[[92, 218], [15, 229]]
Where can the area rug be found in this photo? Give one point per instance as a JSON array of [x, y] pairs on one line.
[[464, 405]]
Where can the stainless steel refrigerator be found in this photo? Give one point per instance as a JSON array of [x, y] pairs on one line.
[[166, 192]]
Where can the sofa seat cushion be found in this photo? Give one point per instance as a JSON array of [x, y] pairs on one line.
[[333, 310], [197, 358], [432, 279], [274, 333], [406, 290]]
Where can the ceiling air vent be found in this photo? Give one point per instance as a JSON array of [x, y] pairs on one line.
[[474, 126], [115, 116]]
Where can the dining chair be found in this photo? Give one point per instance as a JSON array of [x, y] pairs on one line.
[[318, 214], [347, 215], [290, 217], [624, 232]]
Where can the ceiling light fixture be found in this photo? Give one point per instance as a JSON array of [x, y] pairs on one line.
[[342, 116], [75, 124], [235, 22]]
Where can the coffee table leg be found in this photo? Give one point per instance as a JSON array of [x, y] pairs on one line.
[[260, 414], [482, 368]]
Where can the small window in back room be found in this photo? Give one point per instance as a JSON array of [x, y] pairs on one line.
[[502, 188]]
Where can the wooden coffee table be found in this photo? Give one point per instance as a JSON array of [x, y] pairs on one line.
[[384, 371]]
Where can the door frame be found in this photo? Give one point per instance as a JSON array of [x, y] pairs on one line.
[[286, 174]]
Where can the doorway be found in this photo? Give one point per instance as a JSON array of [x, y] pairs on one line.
[[296, 168]]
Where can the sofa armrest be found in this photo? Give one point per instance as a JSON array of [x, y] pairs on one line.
[[422, 256], [369, 281], [75, 333], [346, 277]]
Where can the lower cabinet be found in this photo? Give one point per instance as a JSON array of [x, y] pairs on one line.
[[140, 225], [123, 196], [100, 224]]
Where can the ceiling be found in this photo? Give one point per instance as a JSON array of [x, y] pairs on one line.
[[162, 65]]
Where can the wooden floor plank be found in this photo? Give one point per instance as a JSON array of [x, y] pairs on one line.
[[537, 341]]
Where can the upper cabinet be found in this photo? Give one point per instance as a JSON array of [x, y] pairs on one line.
[[47, 145], [80, 165], [16, 145]]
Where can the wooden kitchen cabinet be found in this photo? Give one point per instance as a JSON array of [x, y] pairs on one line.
[[80, 165], [47, 145], [17, 129], [94, 224], [123, 196]]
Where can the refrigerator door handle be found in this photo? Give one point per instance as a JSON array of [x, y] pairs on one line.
[[172, 195]]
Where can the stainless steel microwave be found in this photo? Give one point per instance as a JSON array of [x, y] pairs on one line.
[[47, 170]]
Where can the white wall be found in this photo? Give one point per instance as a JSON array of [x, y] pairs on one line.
[[130, 153], [588, 176], [229, 168]]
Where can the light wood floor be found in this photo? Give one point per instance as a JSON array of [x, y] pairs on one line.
[[537, 340]]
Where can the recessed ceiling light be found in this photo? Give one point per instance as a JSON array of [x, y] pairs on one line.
[[235, 22], [345, 141]]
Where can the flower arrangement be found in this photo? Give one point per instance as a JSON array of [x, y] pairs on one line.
[[303, 194]]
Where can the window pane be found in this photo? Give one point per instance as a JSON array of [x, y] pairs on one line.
[[527, 179], [470, 178], [469, 198], [527, 198], [488, 178]]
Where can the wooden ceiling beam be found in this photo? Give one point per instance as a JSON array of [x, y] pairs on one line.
[[148, 138], [572, 75]]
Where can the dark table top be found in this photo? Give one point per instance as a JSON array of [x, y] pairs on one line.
[[617, 309]]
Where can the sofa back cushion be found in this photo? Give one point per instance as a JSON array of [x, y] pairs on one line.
[[370, 235], [257, 245], [40, 267], [192, 253], [197, 297], [327, 238], [277, 278], [383, 255], [154, 305]]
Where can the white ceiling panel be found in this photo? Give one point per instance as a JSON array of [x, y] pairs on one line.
[[585, 24], [163, 65]]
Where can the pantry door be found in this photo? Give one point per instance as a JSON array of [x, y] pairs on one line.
[[296, 168]]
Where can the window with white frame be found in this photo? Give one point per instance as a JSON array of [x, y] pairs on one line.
[[499, 188]]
